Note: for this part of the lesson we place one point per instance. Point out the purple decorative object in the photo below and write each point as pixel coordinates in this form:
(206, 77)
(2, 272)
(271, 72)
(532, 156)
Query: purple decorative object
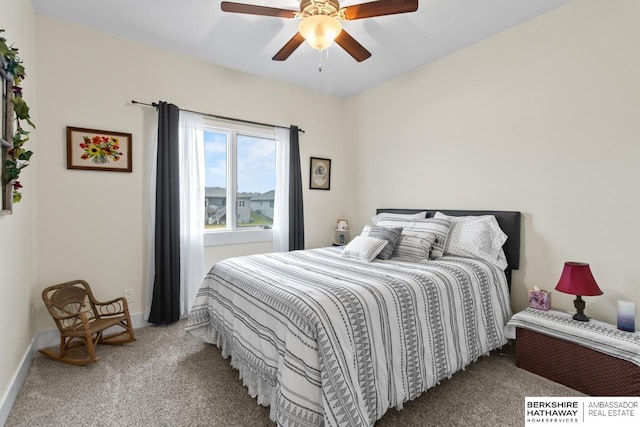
(539, 299)
(626, 316)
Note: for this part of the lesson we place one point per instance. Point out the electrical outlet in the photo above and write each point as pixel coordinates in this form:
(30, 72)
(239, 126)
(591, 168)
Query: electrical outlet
(128, 294)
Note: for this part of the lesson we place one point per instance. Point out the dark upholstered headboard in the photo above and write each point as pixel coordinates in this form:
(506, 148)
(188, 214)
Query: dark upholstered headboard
(509, 221)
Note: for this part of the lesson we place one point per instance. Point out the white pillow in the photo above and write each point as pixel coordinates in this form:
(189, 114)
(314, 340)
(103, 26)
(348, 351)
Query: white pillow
(364, 248)
(384, 215)
(433, 230)
(476, 237)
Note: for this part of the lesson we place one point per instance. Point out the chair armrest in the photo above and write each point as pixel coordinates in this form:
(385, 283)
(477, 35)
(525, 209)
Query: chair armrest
(113, 307)
(66, 317)
(72, 321)
(110, 301)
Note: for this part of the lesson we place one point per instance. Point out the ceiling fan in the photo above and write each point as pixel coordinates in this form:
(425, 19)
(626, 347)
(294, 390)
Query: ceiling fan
(320, 22)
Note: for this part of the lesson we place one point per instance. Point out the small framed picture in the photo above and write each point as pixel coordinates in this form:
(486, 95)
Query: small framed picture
(320, 174)
(92, 149)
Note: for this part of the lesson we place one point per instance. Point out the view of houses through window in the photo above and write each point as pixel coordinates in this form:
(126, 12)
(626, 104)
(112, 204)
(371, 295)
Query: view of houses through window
(243, 161)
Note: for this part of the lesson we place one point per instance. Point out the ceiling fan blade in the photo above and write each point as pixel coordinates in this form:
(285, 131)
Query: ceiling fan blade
(251, 9)
(289, 48)
(380, 8)
(352, 46)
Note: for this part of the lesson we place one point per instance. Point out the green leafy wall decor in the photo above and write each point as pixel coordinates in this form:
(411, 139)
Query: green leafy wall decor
(17, 156)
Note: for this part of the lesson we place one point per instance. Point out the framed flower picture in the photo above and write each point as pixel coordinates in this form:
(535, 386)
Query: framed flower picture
(92, 149)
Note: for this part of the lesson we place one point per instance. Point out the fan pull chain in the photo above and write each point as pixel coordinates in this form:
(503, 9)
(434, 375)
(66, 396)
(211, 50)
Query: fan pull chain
(320, 60)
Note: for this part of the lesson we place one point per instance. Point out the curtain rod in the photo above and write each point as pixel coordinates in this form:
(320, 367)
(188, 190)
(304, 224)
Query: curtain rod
(155, 105)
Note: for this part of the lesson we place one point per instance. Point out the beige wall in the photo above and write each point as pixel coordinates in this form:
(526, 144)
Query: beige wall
(542, 118)
(18, 231)
(95, 225)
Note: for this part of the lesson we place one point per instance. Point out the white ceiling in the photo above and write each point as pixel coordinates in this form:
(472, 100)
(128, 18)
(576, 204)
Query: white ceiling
(398, 43)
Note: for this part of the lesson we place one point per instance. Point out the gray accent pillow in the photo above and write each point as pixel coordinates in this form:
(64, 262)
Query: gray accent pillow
(391, 235)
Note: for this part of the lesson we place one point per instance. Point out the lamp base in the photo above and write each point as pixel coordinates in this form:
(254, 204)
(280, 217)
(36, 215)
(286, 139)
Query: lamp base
(580, 305)
(580, 317)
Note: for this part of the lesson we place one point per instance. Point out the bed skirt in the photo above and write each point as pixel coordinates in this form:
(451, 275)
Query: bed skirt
(260, 386)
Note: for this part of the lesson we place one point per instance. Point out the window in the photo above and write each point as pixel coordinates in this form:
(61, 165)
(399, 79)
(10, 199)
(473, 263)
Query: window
(240, 178)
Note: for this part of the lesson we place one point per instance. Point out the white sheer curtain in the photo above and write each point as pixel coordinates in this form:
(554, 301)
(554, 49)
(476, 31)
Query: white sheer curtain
(151, 129)
(281, 205)
(191, 208)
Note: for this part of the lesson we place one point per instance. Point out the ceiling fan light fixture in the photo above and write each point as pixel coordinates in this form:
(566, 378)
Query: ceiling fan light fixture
(320, 30)
(320, 22)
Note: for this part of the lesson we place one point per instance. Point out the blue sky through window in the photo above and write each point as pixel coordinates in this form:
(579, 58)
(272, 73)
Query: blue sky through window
(256, 162)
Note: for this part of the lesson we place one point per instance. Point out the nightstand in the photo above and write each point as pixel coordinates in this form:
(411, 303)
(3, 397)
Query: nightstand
(341, 237)
(593, 357)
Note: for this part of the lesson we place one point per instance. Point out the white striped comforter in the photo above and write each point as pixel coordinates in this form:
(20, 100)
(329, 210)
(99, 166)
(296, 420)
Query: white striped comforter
(330, 341)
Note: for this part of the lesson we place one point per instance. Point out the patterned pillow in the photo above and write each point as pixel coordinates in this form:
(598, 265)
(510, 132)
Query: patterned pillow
(434, 230)
(408, 217)
(476, 237)
(391, 235)
(413, 246)
(364, 248)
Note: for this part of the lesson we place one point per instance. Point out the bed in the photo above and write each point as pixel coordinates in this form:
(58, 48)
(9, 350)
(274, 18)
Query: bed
(328, 340)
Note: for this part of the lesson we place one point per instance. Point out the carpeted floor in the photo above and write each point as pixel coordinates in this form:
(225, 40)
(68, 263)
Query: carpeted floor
(169, 378)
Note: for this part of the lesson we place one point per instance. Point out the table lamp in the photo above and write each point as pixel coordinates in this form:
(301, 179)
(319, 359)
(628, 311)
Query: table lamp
(576, 279)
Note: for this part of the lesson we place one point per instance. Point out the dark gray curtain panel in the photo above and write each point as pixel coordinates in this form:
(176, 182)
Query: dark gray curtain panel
(296, 211)
(165, 305)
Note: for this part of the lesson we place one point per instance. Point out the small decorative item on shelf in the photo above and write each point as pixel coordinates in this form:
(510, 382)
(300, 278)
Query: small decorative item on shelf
(539, 299)
(342, 225)
(341, 232)
(626, 316)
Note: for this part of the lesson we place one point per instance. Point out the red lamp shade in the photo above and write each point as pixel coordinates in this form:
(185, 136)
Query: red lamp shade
(577, 279)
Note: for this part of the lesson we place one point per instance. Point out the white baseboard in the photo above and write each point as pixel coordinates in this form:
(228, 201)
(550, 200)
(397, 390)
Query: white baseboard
(16, 383)
(41, 340)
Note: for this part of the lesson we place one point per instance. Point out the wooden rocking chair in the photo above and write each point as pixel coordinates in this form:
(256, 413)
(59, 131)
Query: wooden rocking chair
(81, 320)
